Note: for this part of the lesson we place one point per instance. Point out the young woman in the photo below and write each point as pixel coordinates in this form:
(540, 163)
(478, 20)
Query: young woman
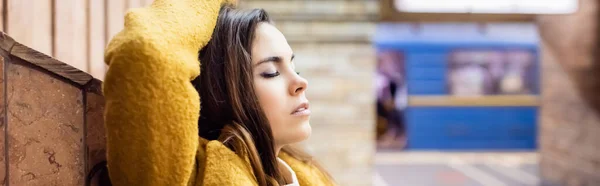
(253, 101)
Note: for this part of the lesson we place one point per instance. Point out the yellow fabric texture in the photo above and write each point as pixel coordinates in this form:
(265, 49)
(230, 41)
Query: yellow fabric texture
(152, 109)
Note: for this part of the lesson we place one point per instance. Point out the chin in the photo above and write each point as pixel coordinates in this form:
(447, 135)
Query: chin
(296, 133)
(302, 133)
(305, 131)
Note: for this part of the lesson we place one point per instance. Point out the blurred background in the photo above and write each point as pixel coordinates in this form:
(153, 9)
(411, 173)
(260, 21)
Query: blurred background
(407, 92)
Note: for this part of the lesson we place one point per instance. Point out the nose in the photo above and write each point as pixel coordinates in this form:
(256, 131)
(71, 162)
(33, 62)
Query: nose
(298, 85)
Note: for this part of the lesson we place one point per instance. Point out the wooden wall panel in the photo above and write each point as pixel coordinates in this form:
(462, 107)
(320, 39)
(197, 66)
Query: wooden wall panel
(30, 23)
(97, 38)
(148, 2)
(2, 14)
(115, 15)
(134, 3)
(70, 33)
(73, 31)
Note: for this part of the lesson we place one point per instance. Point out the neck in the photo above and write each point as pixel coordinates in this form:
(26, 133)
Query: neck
(287, 175)
(278, 149)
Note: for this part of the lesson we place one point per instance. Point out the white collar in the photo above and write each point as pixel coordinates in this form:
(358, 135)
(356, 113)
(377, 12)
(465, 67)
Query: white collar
(294, 178)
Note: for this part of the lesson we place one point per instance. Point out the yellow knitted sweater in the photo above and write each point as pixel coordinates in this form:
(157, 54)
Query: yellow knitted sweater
(152, 109)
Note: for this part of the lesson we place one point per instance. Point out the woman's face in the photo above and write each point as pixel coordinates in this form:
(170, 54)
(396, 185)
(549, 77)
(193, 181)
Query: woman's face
(280, 90)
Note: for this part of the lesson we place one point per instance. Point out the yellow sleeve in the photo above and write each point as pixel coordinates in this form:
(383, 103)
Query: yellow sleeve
(152, 108)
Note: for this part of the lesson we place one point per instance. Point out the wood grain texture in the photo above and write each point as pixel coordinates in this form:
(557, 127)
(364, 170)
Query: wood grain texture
(44, 61)
(50, 64)
(70, 33)
(30, 22)
(6, 42)
(97, 38)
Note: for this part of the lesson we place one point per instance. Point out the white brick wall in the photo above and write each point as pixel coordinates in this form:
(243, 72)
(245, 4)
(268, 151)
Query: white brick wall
(326, 31)
(321, 7)
(340, 79)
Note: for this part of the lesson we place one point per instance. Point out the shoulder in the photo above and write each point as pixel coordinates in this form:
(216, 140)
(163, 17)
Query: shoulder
(218, 165)
(307, 173)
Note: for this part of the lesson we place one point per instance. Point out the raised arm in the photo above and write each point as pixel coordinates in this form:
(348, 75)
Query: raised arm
(152, 108)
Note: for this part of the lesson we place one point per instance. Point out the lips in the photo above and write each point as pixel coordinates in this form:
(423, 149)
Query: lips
(302, 110)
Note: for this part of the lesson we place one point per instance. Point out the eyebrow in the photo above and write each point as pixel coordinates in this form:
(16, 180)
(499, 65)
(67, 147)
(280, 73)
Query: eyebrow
(275, 59)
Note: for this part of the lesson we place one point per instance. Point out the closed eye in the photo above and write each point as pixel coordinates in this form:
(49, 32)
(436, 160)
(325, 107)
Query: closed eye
(270, 75)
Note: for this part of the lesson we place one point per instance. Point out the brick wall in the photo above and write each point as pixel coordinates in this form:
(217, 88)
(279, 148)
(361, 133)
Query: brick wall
(331, 40)
(569, 128)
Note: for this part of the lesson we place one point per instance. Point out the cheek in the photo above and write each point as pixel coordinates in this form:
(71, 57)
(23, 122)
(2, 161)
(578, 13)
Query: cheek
(277, 104)
(272, 99)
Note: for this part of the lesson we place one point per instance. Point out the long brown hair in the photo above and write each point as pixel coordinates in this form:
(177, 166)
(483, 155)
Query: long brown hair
(230, 110)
